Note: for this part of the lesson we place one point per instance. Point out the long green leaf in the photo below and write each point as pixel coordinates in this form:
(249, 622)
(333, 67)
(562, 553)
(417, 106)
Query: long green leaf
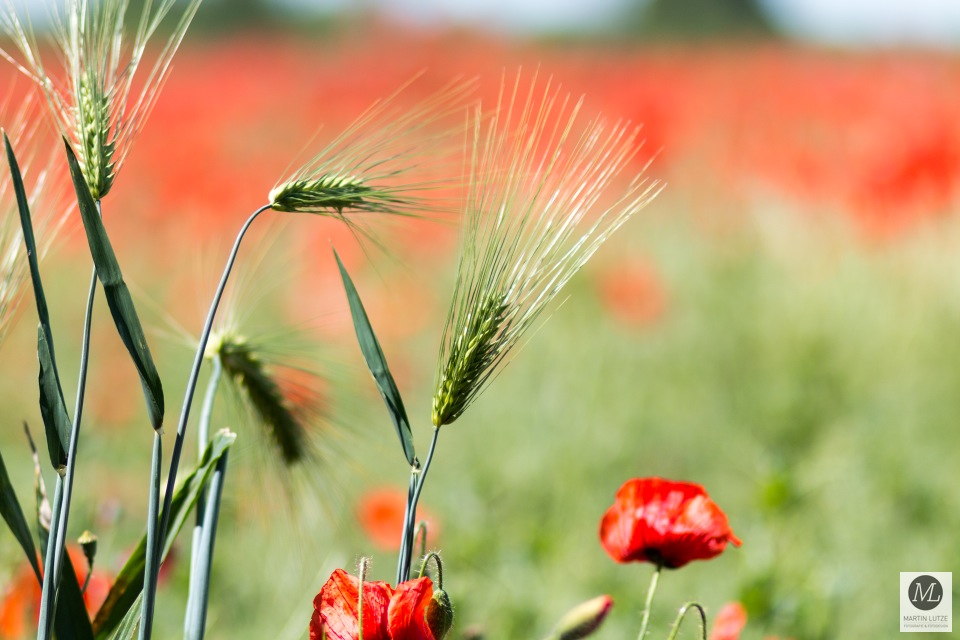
(129, 583)
(117, 294)
(56, 422)
(72, 620)
(128, 626)
(55, 418)
(377, 363)
(13, 515)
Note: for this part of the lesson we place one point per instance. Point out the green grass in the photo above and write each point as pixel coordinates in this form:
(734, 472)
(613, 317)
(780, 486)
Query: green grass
(809, 379)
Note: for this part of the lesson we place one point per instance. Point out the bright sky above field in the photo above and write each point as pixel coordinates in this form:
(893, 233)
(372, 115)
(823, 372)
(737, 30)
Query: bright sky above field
(854, 21)
(934, 22)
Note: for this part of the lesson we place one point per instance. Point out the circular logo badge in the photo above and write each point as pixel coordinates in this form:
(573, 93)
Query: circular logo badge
(925, 593)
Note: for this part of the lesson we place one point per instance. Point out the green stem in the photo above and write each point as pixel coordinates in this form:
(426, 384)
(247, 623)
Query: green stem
(362, 579)
(192, 386)
(411, 514)
(200, 572)
(56, 540)
(48, 593)
(420, 533)
(648, 604)
(406, 514)
(152, 564)
(675, 629)
(203, 432)
(74, 433)
(439, 565)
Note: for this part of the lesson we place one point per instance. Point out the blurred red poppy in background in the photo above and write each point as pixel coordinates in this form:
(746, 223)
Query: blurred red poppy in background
(20, 599)
(632, 292)
(664, 522)
(729, 622)
(380, 513)
(388, 613)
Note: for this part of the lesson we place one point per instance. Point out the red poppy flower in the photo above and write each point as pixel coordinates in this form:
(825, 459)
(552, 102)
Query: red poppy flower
(664, 522)
(388, 613)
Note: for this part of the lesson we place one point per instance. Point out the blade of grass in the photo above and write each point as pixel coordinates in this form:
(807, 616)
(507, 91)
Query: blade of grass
(118, 295)
(56, 422)
(13, 516)
(377, 363)
(127, 628)
(129, 582)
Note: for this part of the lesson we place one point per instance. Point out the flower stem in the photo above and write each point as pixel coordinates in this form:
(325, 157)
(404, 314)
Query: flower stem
(411, 514)
(192, 385)
(649, 603)
(436, 561)
(684, 610)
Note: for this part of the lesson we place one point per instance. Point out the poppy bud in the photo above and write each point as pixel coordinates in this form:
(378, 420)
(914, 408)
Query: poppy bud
(439, 614)
(583, 620)
(88, 542)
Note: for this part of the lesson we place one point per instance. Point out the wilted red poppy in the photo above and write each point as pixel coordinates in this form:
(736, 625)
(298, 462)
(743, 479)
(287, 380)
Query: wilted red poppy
(388, 613)
(730, 621)
(664, 522)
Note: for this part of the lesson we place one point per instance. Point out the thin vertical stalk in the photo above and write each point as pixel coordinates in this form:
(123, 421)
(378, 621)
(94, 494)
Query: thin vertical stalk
(153, 542)
(203, 435)
(200, 571)
(411, 514)
(75, 431)
(192, 385)
(405, 534)
(48, 593)
(645, 622)
(60, 514)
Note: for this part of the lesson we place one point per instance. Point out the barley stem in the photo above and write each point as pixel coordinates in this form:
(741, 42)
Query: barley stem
(411, 512)
(200, 579)
(203, 432)
(48, 593)
(56, 540)
(152, 564)
(192, 385)
(74, 434)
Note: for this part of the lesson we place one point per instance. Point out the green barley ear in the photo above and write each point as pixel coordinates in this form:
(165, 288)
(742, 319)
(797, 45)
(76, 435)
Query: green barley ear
(543, 195)
(104, 99)
(473, 354)
(392, 159)
(280, 418)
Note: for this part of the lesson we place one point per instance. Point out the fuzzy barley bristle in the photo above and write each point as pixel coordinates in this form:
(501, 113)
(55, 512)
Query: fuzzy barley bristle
(329, 193)
(472, 353)
(252, 376)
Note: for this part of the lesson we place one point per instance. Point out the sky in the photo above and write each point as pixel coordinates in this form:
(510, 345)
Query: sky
(853, 22)
(846, 22)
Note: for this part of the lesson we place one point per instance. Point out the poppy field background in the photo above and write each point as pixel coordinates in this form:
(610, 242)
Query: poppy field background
(781, 326)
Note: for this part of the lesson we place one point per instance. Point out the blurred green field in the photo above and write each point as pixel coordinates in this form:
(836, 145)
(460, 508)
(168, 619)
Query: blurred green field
(806, 377)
